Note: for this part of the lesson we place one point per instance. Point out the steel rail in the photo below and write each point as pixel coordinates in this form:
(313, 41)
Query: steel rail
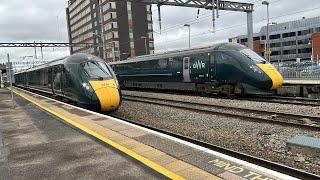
(285, 100)
(241, 113)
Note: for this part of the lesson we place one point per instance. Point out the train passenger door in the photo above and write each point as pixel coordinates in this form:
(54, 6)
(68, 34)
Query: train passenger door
(213, 67)
(186, 69)
(57, 83)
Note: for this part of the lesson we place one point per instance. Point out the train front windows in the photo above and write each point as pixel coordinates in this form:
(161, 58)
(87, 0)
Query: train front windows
(253, 56)
(96, 70)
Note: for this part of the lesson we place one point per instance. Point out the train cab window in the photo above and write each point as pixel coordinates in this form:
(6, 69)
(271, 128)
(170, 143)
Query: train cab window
(252, 55)
(96, 70)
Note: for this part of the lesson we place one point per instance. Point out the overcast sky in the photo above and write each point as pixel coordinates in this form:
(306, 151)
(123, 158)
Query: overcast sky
(45, 20)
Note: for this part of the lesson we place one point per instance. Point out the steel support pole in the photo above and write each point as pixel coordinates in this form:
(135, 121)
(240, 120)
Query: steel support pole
(189, 36)
(102, 31)
(268, 35)
(35, 50)
(145, 45)
(10, 78)
(250, 29)
(159, 16)
(113, 51)
(41, 51)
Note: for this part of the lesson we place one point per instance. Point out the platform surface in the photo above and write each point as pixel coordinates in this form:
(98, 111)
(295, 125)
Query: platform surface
(36, 145)
(305, 141)
(301, 82)
(171, 158)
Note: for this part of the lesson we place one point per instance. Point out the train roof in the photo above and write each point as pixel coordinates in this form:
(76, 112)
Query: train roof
(73, 59)
(220, 46)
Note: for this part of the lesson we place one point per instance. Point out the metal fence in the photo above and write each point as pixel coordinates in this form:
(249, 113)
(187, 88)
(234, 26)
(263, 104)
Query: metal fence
(300, 71)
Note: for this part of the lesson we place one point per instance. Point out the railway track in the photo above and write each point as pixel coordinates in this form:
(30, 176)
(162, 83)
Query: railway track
(246, 157)
(269, 99)
(287, 119)
(285, 100)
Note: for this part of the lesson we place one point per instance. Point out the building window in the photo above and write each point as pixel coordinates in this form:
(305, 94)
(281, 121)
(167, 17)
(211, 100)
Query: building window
(305, 32)
(275, 36)
(289, 43)
(306, 50)
(149, 17)
(291, 34)
(151, 44)
(110, 15)
(275, 53)
(110, 5)
(149, 26)
(150, 35)
(304, 41)
(272, 45)
(293, 51)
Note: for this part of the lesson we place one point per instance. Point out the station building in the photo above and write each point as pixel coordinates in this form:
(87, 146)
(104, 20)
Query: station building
(126, 29)
(289, 41)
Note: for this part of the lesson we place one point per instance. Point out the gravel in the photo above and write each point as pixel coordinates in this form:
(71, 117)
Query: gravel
(276, 107)
(263, 140)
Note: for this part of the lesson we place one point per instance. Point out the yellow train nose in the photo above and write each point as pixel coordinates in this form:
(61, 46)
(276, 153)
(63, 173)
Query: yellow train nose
(107, 93)
(274, 75)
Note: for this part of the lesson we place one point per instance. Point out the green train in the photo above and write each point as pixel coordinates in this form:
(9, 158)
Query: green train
(225, 68)
(81, 78)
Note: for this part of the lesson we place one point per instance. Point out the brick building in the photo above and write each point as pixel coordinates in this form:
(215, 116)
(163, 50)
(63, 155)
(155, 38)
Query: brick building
(289, 40)
(126, 29)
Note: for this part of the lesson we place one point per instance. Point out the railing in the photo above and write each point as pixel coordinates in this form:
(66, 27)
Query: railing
(301, 71)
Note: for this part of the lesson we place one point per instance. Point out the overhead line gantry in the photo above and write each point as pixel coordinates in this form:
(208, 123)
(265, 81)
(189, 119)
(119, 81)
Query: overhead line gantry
(214, 5)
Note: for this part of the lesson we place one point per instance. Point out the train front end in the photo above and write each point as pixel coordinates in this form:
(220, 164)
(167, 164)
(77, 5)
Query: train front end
(101, 85)
(265, 73)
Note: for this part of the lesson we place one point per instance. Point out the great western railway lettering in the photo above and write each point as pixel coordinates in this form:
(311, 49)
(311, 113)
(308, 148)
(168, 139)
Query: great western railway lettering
(199, 65)
(237, 170)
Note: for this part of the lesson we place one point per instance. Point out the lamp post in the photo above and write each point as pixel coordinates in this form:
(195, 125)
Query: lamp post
(267, 47)
(145, 43)
(188, 25)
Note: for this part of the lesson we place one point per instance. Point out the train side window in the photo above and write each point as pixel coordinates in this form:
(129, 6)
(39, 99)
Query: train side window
(186, 62)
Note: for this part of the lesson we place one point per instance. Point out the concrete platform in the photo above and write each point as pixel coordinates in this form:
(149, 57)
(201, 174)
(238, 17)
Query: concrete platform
(309, 146)
(300, 87)
(301, 82)
(37, 145)
(172, 158)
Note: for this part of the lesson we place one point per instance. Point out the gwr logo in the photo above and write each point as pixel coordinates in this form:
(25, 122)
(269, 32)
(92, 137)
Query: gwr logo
(199, 65)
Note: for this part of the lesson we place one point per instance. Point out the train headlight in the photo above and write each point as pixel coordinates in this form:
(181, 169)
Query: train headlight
(255, 69)
(85, 85)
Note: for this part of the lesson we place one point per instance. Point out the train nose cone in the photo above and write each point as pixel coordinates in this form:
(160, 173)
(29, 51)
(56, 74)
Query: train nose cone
(109, 98)
(273, 74)
(107, 93)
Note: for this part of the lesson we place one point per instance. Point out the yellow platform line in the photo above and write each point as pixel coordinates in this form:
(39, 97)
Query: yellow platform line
(121, 148)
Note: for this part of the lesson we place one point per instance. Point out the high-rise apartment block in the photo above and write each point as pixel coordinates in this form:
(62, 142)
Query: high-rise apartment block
(117, 29)
(289, 41)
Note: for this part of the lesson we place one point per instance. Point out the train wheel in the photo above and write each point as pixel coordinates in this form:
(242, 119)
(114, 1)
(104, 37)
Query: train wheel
(204, 89)
(227, 90)
(239, 90)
